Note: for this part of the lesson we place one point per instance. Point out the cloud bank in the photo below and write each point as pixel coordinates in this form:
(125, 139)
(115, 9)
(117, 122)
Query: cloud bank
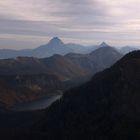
(28, 23)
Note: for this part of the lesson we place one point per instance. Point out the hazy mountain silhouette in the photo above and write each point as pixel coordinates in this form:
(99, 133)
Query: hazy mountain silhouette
(54, 46)
(68, 66)
(127, 49)
(104, 44)
(27, 78)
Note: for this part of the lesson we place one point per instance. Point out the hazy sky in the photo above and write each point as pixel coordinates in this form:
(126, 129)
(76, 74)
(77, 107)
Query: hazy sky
(29, 23)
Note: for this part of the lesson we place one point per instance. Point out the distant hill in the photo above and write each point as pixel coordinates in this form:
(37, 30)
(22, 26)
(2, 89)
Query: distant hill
(105, 108)
(65, 67)
(54, 46)
(27, 78)
(127, 49)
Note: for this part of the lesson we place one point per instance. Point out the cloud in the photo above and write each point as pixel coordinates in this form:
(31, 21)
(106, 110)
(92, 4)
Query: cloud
(89, 21)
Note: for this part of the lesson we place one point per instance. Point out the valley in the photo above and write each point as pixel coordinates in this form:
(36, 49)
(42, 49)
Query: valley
(27, 79)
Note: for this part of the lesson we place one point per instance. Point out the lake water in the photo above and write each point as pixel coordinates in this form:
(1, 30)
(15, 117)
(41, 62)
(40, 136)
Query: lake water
(38, 104)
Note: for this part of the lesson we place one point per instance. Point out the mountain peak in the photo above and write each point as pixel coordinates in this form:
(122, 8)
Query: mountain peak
(56, 41)
(104, 44)
(56, 38)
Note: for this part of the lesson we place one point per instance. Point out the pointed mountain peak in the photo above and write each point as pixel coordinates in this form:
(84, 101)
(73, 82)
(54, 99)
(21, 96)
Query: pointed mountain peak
(56, 41)
(104, 44)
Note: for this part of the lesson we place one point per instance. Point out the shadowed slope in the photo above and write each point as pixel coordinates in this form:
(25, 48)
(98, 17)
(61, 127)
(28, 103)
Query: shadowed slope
(106, 108)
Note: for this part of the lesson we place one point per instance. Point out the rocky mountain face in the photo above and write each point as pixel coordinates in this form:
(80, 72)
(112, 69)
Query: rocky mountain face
(16, 89)
(26, 78)
(105, 108)
(65, 67)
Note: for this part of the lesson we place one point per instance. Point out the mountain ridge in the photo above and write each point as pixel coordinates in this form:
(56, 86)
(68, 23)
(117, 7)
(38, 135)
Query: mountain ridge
(57, 72)
(105, 108)
(70, 62)
(54, 46)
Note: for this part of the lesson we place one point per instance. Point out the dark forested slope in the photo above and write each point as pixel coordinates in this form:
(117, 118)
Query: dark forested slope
(106, 108)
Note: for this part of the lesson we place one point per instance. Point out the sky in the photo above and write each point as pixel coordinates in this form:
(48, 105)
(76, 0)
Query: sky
(30, 23)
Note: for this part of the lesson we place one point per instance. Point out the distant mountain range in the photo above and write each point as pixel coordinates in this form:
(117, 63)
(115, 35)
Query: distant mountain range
(27, 78)
(127, 49)
(65, 67)
(54, 46)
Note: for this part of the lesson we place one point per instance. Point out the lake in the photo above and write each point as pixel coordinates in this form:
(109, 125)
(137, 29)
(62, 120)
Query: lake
(37, 104)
